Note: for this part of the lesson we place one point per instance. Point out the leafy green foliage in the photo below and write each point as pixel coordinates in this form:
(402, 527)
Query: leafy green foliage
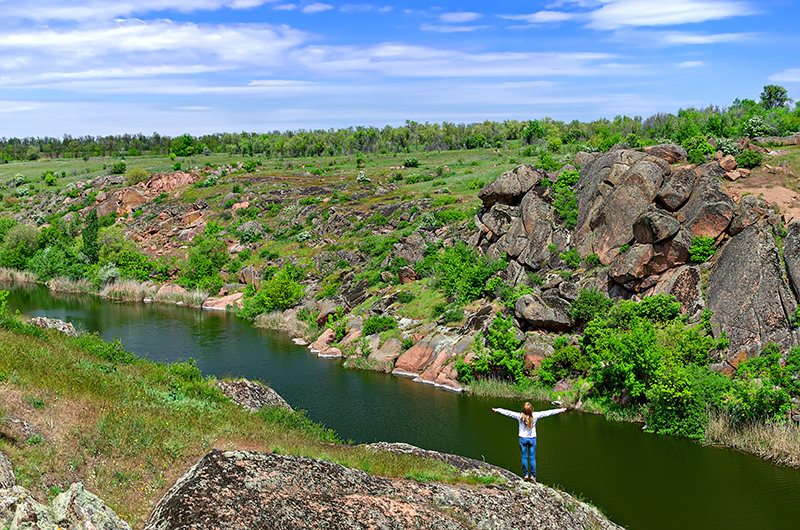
(136, 175)
(502, 356)
(564, 201)
(701, 249)
(571, 257)
(411, 162)
(91, 246)
(749, 159)
(206, 257)
(462, 273)
(566, 361)
(697, 149)
(376, 324)
(19, 245)
(118, 168)
(278, 293)
(589, 305)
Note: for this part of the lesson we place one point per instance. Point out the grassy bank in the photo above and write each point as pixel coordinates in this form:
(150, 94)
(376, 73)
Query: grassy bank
(128, 428)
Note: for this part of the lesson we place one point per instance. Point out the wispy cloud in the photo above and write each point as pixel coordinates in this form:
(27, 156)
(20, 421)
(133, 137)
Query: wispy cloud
(450, 28)
(677, 38)
(791, 75)
(316, 7)
(364, 8)
(78, 10)
(459, 17)
(691, 64)
(614, 14)
(543, 17)
(404, 60)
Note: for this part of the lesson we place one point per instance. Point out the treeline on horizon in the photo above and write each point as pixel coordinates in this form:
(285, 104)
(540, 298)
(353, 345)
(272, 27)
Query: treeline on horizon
(771, 116)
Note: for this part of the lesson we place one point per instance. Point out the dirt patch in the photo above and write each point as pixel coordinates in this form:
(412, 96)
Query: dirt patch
(778, 188)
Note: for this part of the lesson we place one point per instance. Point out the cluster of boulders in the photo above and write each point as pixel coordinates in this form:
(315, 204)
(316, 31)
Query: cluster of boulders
(74, 509)
(639, 214)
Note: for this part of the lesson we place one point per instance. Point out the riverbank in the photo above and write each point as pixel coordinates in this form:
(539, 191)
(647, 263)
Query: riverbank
(127, 428)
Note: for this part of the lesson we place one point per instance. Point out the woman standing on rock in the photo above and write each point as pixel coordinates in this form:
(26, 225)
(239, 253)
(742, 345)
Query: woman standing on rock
(527, 434)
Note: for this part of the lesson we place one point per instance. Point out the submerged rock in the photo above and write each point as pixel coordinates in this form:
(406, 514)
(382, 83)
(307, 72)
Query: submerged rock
(245, 490)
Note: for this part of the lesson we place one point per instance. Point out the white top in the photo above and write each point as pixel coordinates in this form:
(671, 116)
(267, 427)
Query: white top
(524, 432)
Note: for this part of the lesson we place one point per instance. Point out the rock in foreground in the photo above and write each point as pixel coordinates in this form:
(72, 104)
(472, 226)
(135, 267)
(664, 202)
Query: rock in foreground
(240, 489)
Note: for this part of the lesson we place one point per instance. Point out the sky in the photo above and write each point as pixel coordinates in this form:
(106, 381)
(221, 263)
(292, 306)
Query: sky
(97, 67)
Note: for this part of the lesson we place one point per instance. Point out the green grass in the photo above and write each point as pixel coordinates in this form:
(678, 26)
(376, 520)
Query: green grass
(128, 427)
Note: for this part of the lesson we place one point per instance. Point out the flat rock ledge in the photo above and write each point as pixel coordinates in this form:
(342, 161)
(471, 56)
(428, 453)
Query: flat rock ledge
(252, 395)
(244, 490)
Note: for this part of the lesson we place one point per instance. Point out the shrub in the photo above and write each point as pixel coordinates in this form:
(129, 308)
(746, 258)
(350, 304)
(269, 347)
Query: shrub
(250, 165)
(18, 246)
(564, 201)
(593, 260)
(571, 257)
(278, 293)
(755, 126)
(701, 249)
(566, 361)
(376, 324)
(411, 162)
(205, 259)
(461, 272)
(136, 175)
(697, 148)
(590, 304)
(405, 297)
(118, 168)
(749, 159)
(502, 356)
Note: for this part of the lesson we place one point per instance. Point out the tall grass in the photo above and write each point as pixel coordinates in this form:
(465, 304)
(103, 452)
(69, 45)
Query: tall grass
(16, 276)
(293, 327)
(779, 442)
(128, 291)
(65, 285)
(191, 298)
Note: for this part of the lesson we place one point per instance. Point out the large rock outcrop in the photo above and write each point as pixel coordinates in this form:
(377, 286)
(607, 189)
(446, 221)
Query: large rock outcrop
(747, 294)
(244, 490)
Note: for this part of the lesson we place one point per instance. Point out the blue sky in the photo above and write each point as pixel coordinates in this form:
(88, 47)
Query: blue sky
(197, 66)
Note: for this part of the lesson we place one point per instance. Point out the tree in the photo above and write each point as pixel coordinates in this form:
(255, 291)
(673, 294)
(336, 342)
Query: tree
(91, 246)
(774, 97)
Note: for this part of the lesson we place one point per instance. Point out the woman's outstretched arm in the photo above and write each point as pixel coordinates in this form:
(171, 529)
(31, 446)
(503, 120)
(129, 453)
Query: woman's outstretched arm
(509, 413)
(550, 412)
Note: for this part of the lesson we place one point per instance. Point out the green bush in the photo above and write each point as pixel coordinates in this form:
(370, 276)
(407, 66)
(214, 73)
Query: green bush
(376, 324)
(411, 162)
(136, 175)
(564, 201)
(278, 293)
(405, 297)
(593, 260)
(462, 273)
(251, 165)
(697, 149)
(206, 257)
(19, 245)
(566, 361)
(701, 249)
(502, 356)
(118, 168)
(590, 304)
(571, 257)
(749, 159)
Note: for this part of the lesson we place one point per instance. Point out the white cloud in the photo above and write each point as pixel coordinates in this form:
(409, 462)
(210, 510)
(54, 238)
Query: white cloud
(286, 7)
(615, 14)
(194, 108)
(78, 10)
(440, 28)
(7, 107)
(364, 8)
(405, 60)
(132, 44)
(316, 7)
(691, 64)
(543, 17)
(677, 38)
(791, 75)
(459, 17)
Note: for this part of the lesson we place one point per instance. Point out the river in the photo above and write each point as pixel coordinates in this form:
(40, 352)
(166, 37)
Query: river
(639, 480)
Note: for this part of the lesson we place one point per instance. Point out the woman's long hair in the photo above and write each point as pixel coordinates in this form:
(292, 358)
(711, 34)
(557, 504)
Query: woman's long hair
(527, 414)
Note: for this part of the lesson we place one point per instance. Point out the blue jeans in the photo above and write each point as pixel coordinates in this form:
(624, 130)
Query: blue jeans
(528, 448)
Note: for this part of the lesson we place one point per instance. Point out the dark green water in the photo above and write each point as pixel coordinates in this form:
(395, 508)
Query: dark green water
(639, 480)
